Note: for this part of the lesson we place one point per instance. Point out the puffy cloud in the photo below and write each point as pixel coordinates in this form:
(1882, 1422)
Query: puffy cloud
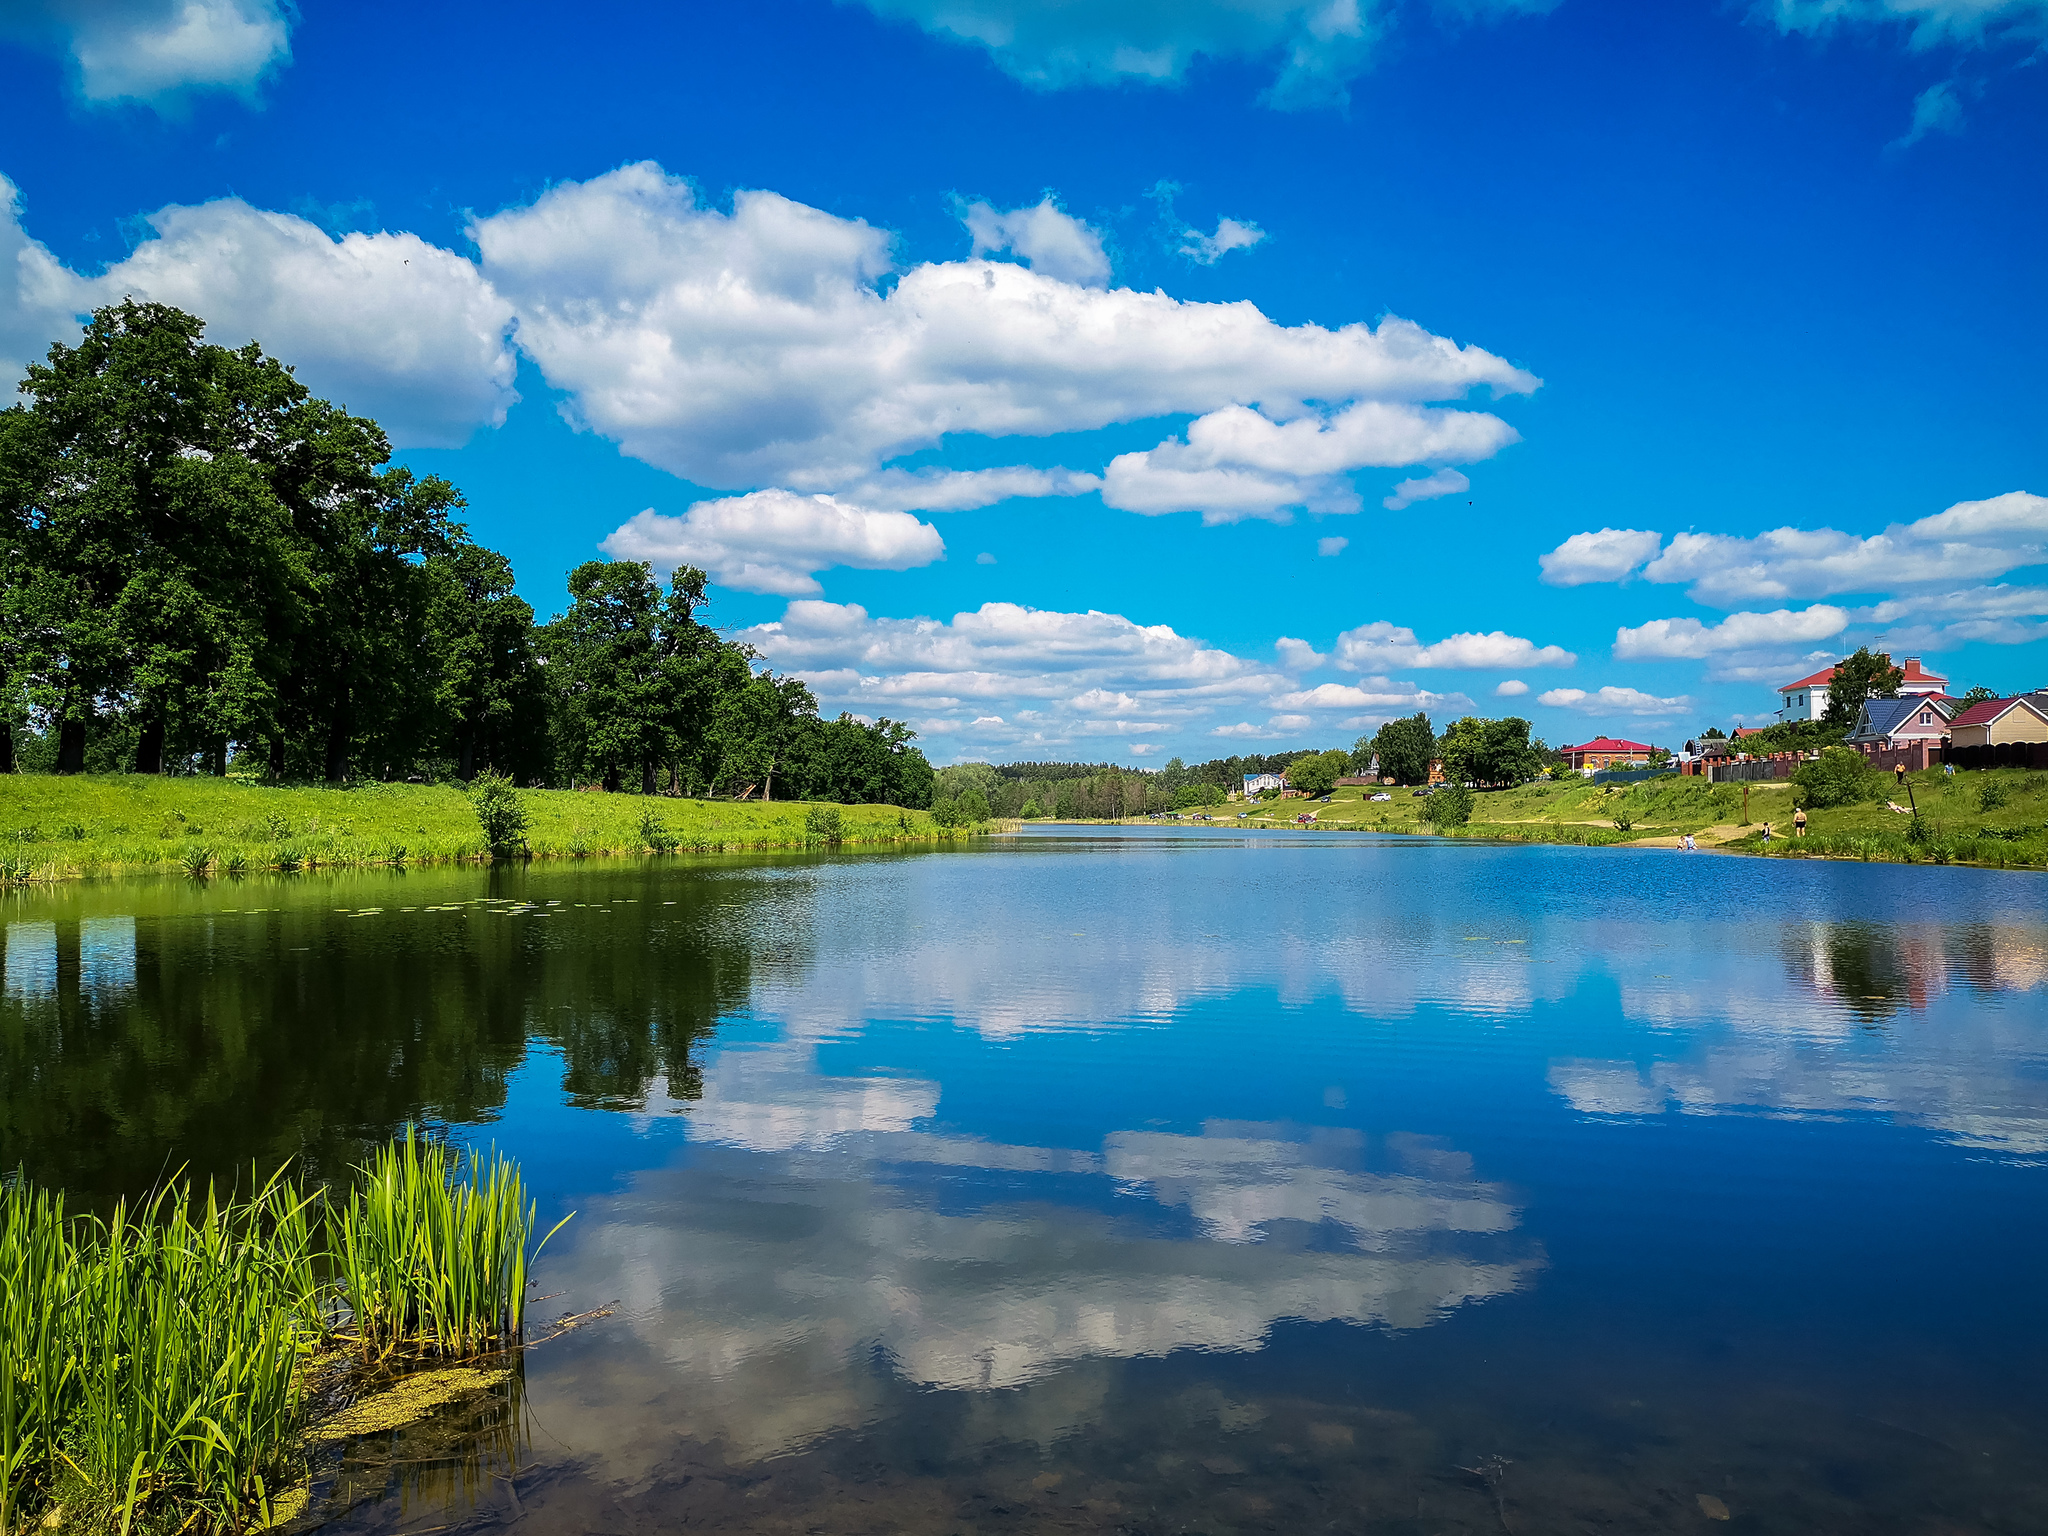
(1612, 701)
(1371, 693)
(771, 541)
(1445, 482)
(1609, 555)
(156, 50)
(759, 346)
(1238, 462)
(1331, 546)
(958, 490)
(1053, 44)
(388, 325)
(984, 558)
(1689, 638)
(1019, 678)
(1510, 688)
(1381, 644)
(1051, 240)
(1231, 235)
(1970, 541)
(1960, 23)
(39, 297)
(1298, 655)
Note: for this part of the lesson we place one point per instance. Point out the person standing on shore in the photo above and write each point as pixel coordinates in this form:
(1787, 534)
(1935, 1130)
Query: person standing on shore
(1767, 834)
(1799, 821)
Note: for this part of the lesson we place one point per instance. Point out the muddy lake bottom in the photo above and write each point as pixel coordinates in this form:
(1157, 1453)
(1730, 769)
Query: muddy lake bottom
(1121, 1180)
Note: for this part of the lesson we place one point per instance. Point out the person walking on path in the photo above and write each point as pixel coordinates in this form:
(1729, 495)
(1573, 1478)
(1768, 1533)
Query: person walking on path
(1799, 821)
(1899, 775)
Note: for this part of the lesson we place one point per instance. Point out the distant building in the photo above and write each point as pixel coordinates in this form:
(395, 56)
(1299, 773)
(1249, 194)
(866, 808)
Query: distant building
(1807, 699)
(1255, 782)
(1896, 722)
(1998, 721)
(1607, 752)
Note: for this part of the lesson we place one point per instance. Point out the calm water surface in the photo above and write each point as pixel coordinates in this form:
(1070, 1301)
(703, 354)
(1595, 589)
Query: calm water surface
(1147, 1182)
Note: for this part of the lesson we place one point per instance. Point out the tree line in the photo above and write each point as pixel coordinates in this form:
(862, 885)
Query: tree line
(203, 566)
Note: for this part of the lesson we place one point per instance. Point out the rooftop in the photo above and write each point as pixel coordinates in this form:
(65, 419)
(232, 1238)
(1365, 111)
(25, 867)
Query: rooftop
(1608, 744)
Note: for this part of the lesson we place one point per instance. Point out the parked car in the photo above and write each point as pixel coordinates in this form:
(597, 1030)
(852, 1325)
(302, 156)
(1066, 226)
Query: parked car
(1425, 790)
(1381, 796)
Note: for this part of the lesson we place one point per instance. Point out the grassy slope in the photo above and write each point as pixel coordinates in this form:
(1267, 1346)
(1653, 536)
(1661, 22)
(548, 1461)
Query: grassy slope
(64, 827)
(1574, 810)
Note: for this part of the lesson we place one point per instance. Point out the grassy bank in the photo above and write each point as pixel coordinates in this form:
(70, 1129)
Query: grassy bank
(168, 1368)
(65, 828)
(1993, 817)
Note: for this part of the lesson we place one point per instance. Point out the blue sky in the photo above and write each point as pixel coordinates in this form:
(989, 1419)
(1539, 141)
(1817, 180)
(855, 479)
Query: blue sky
(1040, 372)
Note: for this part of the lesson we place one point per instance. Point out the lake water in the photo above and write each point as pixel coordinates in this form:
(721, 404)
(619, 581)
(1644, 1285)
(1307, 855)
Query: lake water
(1146, 1182)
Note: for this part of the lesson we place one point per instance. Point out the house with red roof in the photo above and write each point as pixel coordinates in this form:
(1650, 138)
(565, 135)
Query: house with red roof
(1996, 722)
(1807, 699)
(1607, 752)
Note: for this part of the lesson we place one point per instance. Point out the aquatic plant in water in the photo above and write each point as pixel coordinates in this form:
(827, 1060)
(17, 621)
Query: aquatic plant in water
(153, 1364)
(432, 1252)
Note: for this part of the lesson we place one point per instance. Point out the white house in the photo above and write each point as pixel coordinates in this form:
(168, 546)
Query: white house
(1807, 699)
(1254, 782)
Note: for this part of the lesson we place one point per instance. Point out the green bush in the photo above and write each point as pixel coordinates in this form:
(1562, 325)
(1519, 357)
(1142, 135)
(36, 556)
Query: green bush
(654, 833)
(963, 811)
(1450, 806)
(1839, 776)
(499, 811)
(1992, 794)
(823, 821)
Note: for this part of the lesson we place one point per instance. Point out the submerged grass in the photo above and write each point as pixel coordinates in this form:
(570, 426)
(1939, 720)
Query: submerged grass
(154, 1364)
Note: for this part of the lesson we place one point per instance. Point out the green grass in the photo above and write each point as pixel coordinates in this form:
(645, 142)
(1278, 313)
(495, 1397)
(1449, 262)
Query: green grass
(2011, 833)
(55, 828)
(155, 1365)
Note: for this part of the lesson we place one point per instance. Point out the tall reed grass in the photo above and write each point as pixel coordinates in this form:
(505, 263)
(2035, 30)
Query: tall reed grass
(432, 1253)
(153, 1363)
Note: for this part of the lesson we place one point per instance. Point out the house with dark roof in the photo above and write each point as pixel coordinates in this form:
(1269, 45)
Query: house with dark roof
(1807, 699)
(1886, 723)
(1997, 722)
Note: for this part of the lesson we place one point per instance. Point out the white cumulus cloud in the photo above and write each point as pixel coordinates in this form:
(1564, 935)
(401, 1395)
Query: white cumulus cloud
(1510, 688)
(1332, 546)
(1298, 655)
(759, 346)
(1445, 482)
(1238, 463)
(1046, 236)
(156, 50)
(1021, 679)
(388, 325)
(1612, 701)
(1608, 555)
(1972, 540)
(1690, 639)
(771, 541)
(1381, 645)
(1231, 235)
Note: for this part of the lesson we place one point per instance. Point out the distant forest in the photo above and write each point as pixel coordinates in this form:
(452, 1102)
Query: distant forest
(204, 567)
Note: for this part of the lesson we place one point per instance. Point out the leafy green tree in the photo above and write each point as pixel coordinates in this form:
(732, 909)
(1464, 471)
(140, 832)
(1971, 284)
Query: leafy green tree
(1839, 776)
(486, 697)
(1865, 675)
(1490, 751)
(1317, 773)
(1978, 695)
(614, 686)
(1406, 748)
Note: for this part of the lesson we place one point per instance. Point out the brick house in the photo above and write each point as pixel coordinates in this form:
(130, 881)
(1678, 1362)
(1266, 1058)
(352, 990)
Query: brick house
(1607, 752)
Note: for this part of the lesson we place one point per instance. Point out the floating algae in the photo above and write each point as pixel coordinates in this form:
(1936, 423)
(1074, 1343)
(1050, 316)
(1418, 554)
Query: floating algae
(407, 1401)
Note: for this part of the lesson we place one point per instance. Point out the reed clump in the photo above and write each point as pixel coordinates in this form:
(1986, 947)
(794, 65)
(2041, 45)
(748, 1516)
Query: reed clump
(156, 1363)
